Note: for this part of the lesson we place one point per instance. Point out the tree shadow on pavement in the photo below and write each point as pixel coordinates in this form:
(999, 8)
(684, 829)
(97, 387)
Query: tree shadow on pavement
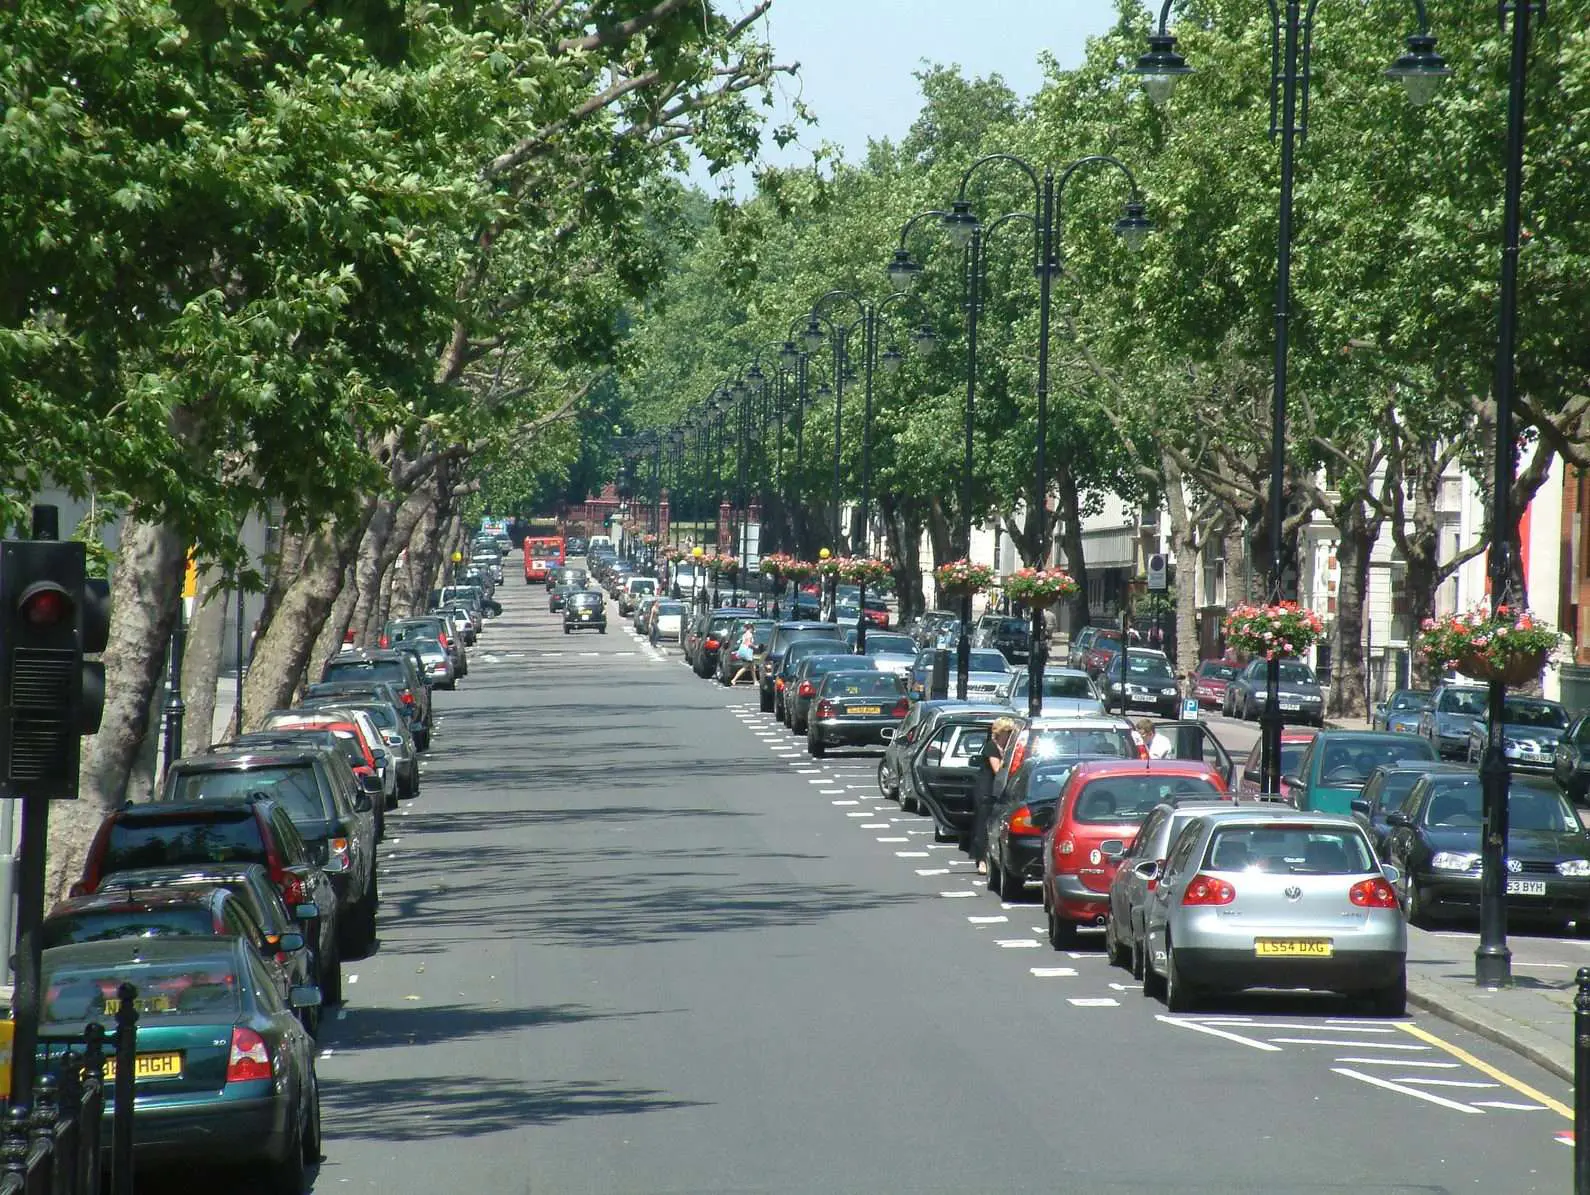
(374, 1028)
(420, 1108)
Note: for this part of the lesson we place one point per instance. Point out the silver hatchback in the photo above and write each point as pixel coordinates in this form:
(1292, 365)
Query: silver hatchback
(1274, 898)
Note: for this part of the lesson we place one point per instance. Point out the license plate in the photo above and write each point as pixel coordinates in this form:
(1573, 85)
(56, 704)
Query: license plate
(1290, 707)
(1526, 887)
(866, 709)
(1293, 948)
(149, 1066)
(142, 1004)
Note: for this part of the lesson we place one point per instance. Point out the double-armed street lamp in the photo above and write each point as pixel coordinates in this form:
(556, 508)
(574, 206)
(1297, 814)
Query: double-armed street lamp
(1046, 216)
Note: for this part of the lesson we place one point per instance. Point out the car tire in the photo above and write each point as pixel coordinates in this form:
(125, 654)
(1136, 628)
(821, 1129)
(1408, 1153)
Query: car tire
(1153, 981)
(1062, 932)
(287, 1175)
(1418, 906)
(1179, 994)
(883, 784)
(1118, 955)
(1135, 955)
(1011, 888)
(1391, 1000)
(764, 700)
(813, 747)
(423, 741)
(312, 1135)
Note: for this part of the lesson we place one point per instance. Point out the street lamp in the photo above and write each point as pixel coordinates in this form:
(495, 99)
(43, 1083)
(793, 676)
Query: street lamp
(962, 224)
(1420, 70)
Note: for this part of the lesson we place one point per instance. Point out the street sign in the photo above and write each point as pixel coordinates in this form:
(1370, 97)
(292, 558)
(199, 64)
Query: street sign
(1158, 580)
(1189, 709)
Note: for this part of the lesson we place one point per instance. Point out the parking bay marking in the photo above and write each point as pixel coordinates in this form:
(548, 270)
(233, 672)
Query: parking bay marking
(1213, 1031)
(1053, 972)
(1094, 1001)
(1387, 1084)
(1488, 1070)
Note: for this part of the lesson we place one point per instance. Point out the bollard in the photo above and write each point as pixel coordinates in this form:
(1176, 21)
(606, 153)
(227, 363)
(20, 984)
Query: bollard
(1581, 1077)
(939, 684)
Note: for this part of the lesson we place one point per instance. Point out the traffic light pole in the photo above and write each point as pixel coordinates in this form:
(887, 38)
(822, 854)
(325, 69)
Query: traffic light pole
(30, 916)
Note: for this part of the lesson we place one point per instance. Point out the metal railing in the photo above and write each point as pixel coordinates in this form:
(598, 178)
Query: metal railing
(55, 1145)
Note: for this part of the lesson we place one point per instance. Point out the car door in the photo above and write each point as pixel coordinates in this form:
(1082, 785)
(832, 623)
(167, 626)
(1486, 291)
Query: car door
(1173, 877)
(1369, 816)
(945, 767)
(1129, 890)
(1197, 742)
(1402, 838)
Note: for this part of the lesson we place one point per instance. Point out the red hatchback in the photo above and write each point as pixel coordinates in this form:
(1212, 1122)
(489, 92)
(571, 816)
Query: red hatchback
(1095, 820)
(1294, 741)
(1210, 680)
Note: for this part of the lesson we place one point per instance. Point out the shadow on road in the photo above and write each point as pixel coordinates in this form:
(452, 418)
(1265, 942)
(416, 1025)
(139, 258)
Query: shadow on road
(427, 1024)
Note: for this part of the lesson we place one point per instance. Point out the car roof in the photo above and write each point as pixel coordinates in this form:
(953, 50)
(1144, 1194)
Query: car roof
(119, 895)
(1273, 812)
(144, 950)
(1093, 768)
(1086, 722)
(244, 758)
(230, 872)
(1421, 766)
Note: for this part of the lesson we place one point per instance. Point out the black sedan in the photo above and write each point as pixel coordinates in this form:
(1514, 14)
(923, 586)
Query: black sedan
(585, 611)
(1570, 762)
(1435, 840)
(1298, 694)
(853, 709)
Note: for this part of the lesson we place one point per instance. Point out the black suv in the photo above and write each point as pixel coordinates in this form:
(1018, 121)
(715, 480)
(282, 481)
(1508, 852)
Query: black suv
(333, 817)
(399, 668)
(1010, 636)
(235, 832)
(772, 660)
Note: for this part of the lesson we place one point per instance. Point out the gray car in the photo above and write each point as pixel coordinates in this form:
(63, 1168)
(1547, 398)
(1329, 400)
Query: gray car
(1132, 886)
(1400, 712)
(1065, 691)
(1274, 898)
(1453, 709)
(1298, 693)
(1531, 729)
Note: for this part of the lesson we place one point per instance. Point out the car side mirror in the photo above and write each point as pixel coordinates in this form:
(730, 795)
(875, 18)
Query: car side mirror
(363, 803)
(1148, 869)
(303, 995)
(290, 941)
(1392, 873)
(1112, 849)
(307, 911)
(1362, 807)
(1292, 781)
(1043, 817)
(1397, 817)
(369, 784)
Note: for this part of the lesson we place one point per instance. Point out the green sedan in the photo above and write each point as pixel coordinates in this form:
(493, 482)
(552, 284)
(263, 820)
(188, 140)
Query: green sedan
(1334, 767)
(225, 1071)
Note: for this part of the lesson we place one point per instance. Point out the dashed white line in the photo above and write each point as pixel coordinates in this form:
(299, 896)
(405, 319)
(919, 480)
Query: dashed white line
(1094, 1001)
(883, 838)
(934, 871)
(1017, 943)
(910, 854)
(875, 826)
(988, 920)
(1053, 972)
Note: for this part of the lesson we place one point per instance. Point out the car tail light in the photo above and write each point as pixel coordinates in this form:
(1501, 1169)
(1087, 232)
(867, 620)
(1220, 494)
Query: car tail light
(1208, 890)
(711, 644)
(339, 850)
(293, 890)
(1373, 894)
(249, 1060)
(1021, 823)
(385, 641)
(825, 708)
(778, 684)
(1018, 753)
(901, 708)
(806, 689)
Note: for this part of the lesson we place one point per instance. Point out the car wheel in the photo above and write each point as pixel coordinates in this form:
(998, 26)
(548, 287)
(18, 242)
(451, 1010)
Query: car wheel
(1179, 995)
(1391, 1000)
(1062, 932)
(423, 741)
(993, 877)
(1011, 887)
(287, 1175)
(883, 782)
(1153, 982)
(1136, 957)
(813, 747)
(1418, 906)
(764, 700)
(1113, 950)
(312, 1135)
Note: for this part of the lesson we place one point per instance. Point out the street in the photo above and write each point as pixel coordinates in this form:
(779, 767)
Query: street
(634, 940)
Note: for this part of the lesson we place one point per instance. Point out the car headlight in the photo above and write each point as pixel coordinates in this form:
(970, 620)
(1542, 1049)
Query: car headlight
(1574, 867)
(1167, 692)
(1455, 861)
(1311, 698)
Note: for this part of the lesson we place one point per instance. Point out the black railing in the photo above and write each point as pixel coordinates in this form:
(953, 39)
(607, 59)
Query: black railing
(55, 1145)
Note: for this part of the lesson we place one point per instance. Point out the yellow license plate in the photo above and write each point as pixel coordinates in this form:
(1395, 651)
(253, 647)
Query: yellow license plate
(150, 1066)
(1293, 948)
(142, 1004)
(866, 709)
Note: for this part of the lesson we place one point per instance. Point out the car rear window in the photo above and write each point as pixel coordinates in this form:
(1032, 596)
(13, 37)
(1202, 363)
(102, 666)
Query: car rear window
(1217, 671)
(1050, 742)
(366, 670)
(294, 787)
(1060, 685)
(99, 925)
(1012, 626)
(164, 843)
(1346, 762)
(191, 989)
(985, 661)
(862, 684)
(892, 645)
(1111, 799)
(1281, 849)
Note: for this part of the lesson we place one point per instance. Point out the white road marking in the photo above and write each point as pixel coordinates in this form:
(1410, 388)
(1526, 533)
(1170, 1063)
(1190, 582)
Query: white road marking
(833, 792)
(882, 838)
(956, 893)
(353, 979)
(1293, 1025)
(1503, 1104)
(1053, 972)
(875, 826)
(933, 871)
(910, 854)
(989, 920)
(1375, 1081)
(1183, 1023)
(1120, 987)
(1094, 1001)
(1018, 943)
(1447, 1083)
(1355, 1045)
(1404, 1063)
(859, 813)
(844, 802)
(942, 846)
(808, 771)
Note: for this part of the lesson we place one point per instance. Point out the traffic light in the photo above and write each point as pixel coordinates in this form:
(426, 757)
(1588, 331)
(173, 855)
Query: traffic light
(50, 615)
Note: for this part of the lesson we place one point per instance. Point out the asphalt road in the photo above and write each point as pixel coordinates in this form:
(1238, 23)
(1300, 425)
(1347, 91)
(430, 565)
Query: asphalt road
(634, 941)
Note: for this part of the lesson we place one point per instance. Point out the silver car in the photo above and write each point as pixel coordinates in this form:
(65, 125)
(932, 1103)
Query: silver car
(667, 621)
(1274, 898)
(1065, 691)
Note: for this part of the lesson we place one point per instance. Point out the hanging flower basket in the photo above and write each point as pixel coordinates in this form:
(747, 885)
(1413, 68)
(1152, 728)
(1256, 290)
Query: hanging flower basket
(798, 570)
(772, 565)
(958, 578)
(864, 570)
(649, 539)
(830, 566)
(1271, 631)
(1040, 588)
(723, 566)
(1510, 645)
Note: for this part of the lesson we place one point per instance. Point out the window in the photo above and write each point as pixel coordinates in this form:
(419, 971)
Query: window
(1182, 848)
(167, 991)
(292, 843)
(102, 925)
(164, 843)
(1152, 825)
(1462, 701)
(1283, 849)
(293, 785)
(1111, 799)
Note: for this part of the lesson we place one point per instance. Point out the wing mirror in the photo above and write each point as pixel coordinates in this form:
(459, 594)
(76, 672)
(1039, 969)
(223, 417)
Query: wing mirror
(1397, 817)
(1113, 849)
(306, 911)
(369, 783)
(1043, 817)
(1361, 807)
(303, 995)
(1393, 874)
(887, 733)
(290, 941)
(1148, 869)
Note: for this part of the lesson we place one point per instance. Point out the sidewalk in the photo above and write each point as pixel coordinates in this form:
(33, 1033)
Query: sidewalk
(1533, 1018)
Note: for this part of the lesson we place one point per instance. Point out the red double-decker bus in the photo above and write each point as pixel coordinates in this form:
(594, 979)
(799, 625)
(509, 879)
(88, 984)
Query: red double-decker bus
(541, 552)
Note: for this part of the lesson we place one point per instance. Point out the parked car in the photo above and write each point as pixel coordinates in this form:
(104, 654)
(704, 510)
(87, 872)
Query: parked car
(1298, 693)
(1150, 683)
(1334, 767)
(915, 730)
(558, 597)
(332, 819)
(1011, 637)
(397, 668)
(785, 633)
(761, 632)
(585, 611)
(1065, 691)
(390, 725)
(1434, 839)
(1453, 709)
(634, 588)
(356, 735)
(641, 620)
(1274, 898)
(1531, 729)
(806, 674)
(362, 691)
(226, 1070)
(436, 664)
(705, 636)
(1210, 681)
(930, 626)
(987, 671)
(785, 684)
(1294, 741)
(855, 709)
(897, 650)
(1097, 816)
(1134, 884)
(1387, 788)
(938, 765)
(1400, 711)
(1014, 855)
(1064, 738)
(1570, 762)
(1077, 653)
(168, 834)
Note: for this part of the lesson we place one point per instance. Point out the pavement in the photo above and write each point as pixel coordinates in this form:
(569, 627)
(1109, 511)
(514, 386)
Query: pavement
(635, 941)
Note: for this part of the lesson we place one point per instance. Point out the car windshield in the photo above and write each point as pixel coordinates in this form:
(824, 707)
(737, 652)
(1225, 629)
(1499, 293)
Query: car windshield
(292, 786)
(861, 684)
(983, 661)
(1407, 700)
(1457, 806)
(1051, 742)
(1141, 667)
(890, 645)
(1217, 671)
(642, 585)
(1349, 761)
(1132, 798)
(1011, 626)
(167, 991)
(1058, 684)
(586, 600)
(1462, 701)
(1281, 849)
(164, 843)
(1293, 673)
(1548, 715)
(100, 925)
(366, 670)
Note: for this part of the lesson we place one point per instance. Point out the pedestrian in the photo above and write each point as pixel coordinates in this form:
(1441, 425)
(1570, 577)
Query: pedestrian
(745, 653)
(989, 762)
(1159, 747)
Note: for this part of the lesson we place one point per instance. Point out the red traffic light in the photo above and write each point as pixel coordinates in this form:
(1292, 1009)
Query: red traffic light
(44, 605)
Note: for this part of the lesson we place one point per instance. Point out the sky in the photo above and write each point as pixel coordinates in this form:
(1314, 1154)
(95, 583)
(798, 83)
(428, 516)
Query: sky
(858, 58)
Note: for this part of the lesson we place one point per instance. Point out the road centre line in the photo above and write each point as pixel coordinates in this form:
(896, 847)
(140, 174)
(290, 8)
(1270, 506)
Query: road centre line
(1376, 1081)
(1212, 1031)
(1488, 1070)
